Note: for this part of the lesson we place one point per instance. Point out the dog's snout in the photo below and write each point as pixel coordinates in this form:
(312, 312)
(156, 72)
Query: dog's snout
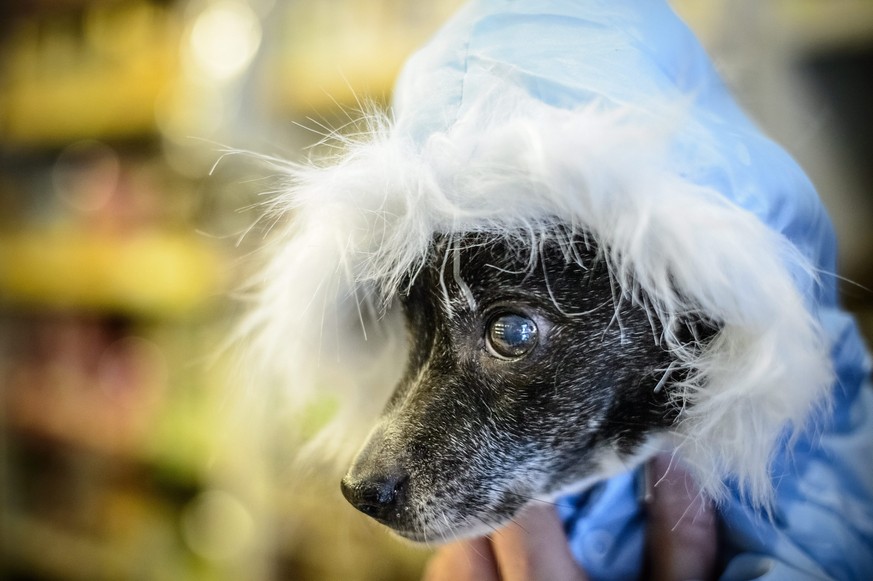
(381, 496)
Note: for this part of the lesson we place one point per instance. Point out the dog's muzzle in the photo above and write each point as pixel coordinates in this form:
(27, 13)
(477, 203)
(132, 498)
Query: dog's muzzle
(377, 484)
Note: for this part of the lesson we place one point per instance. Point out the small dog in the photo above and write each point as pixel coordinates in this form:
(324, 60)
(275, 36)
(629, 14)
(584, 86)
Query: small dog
(524, 380)
(541, 271)
(568, 335)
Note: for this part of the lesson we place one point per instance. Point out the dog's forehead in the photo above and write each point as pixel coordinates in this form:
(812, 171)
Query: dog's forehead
(473, 264)
(467, 274)
(482, 257)
(499, 259)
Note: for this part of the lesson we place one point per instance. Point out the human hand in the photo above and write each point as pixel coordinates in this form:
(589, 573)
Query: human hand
(532, 548)
(681, 526)
(681, 541)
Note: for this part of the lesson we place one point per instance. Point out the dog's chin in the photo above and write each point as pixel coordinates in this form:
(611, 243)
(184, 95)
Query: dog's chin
(443, 529)
(434, 537)
(448, 533)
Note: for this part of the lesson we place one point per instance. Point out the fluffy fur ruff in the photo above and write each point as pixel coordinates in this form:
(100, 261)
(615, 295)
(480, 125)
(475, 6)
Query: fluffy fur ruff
(361, 223)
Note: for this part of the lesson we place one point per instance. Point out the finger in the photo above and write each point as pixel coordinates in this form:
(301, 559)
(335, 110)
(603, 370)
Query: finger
(534, 548)
(681, 527)
(463, 561)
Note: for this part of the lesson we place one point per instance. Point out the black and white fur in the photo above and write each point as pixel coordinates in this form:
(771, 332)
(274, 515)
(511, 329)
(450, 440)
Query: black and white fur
(670, 318)
(470, 436)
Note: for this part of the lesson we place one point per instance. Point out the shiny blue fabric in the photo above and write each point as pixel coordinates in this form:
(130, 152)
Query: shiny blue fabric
(637, 53)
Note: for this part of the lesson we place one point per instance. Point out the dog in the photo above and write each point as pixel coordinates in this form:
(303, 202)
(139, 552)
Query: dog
(527, 377)
(563, 251)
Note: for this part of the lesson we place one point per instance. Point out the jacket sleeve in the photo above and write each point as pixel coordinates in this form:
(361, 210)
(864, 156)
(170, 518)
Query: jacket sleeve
(821, 524)
(605, 527)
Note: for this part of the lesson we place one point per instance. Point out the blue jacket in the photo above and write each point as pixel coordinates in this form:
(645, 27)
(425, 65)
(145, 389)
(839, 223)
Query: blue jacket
(567, 53)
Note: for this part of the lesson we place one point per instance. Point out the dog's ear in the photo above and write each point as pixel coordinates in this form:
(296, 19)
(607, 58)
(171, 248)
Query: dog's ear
(696, 330)
(694, 333)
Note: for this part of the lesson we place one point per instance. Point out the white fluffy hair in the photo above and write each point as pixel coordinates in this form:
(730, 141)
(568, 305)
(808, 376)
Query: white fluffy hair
(361, 223)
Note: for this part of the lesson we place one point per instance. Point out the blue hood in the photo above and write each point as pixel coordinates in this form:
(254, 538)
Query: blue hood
(637, 55)
(625, 53)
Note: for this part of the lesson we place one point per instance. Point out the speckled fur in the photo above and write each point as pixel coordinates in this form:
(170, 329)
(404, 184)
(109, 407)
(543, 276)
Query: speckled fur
(480, 436)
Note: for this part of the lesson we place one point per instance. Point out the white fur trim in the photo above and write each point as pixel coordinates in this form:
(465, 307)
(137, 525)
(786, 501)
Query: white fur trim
(364, 220)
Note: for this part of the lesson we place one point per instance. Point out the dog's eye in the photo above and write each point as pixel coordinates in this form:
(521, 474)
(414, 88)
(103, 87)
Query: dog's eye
(510, 336)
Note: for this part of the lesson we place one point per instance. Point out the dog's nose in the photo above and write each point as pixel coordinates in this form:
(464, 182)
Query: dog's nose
(381, 496)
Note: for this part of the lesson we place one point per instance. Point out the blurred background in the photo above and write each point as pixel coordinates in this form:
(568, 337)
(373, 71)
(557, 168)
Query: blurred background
(125, 229)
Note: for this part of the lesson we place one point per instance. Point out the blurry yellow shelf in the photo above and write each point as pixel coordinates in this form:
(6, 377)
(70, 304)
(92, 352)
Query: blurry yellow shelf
(148, 273)
(103, 78)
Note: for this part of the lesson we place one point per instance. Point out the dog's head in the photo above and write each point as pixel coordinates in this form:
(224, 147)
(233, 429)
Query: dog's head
(526, 376)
